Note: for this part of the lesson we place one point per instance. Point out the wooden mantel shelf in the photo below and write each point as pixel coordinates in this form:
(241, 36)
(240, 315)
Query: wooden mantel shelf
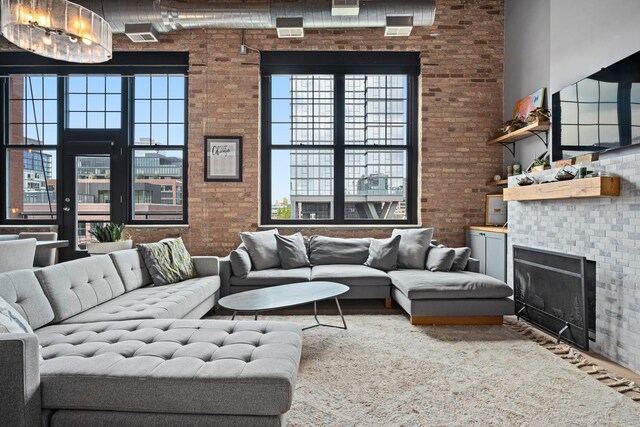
(602, 186)
(521, 133)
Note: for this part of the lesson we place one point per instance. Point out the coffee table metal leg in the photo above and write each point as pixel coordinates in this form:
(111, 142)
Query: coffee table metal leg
(234, 315)
(256, 316)
(315, 316)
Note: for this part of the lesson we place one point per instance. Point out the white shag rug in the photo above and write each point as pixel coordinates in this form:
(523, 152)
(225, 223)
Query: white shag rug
(383, 371)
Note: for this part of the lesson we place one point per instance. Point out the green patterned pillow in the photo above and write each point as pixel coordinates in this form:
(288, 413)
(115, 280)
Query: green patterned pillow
(168, 261)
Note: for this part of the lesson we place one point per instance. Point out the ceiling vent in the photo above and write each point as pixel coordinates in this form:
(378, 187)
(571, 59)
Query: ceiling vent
(141, 33)
(398, 26)
(289, 28)
(345, 7)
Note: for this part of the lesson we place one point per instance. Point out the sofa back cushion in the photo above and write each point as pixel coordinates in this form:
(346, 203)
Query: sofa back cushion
(414, 246)
(262, 248)
(240, 261)
(332, 250)
(131, 268)
(76, 286)
(23, 292)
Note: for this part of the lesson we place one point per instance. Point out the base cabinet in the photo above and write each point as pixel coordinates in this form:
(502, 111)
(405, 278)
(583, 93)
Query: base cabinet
(490, 248)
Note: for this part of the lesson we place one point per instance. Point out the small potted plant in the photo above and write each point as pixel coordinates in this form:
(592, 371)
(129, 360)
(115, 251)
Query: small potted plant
(109, 239)
(540, 114)
(511, 125)
(539, 165)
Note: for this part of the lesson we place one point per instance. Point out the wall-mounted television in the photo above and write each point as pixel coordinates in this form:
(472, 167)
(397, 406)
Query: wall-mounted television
(598, 113)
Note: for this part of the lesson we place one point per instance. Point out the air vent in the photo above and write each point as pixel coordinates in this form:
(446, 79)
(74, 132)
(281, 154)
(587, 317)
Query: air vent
(141, 33)
(398, 26)
(345, 7)
(289, 27)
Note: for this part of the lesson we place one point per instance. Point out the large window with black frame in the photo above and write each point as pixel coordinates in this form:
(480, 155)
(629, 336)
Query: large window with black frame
(340, 148)
(40, 109)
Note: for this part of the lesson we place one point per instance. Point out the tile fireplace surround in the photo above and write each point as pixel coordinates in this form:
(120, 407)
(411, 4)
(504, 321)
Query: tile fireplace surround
(605, 230)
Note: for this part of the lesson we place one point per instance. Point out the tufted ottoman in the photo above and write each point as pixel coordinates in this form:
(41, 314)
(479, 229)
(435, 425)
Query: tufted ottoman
(215, 372)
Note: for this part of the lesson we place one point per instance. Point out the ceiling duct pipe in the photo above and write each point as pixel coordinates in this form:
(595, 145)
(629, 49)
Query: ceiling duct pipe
(172, 15)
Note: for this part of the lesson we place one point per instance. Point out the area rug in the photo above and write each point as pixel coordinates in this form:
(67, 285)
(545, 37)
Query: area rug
(383, 371)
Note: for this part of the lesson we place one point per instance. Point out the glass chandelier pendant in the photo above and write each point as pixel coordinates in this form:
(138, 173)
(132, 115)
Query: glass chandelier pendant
(56, 29)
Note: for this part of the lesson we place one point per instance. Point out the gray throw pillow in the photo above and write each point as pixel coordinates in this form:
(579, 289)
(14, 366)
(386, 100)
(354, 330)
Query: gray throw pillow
(292, 251)
(262, 248)
(414, 245)
(383, 253)
(461, 258)
(440, 259)
(240, 262)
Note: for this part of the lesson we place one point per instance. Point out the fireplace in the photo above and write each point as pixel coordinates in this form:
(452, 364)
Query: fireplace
(556, 292)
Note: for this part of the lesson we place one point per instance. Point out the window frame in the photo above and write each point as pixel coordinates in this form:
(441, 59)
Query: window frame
(340, 64)
(124, 64)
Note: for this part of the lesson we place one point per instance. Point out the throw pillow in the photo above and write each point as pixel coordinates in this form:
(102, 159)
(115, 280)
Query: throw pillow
(440, 259)
(262, 248)
(240, 262)
(414, 245)
(11, 321)
(461, 258)
(292, 251)
(383, 253)
(168, 261)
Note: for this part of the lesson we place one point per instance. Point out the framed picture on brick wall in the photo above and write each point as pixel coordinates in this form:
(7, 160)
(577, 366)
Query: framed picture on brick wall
(223, 158)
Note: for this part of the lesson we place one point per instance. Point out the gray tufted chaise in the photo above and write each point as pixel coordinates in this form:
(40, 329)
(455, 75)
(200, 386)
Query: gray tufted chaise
(115, 351)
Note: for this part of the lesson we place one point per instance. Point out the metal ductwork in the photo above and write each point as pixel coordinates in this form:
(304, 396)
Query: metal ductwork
(171, 15)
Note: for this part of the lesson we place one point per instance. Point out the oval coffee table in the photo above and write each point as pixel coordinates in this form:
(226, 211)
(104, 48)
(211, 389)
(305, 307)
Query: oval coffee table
(281, 296)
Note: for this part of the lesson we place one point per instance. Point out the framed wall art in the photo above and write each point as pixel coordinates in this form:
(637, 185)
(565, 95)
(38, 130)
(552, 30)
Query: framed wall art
(223, 158)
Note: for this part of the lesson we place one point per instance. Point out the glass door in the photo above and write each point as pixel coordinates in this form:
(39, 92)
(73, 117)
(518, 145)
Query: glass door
(89, 199)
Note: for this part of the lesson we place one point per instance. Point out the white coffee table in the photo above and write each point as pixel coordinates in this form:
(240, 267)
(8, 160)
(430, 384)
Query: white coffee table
(282, 296)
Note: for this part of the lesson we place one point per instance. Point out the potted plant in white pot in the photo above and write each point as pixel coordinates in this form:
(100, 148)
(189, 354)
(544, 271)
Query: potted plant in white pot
(109, 239)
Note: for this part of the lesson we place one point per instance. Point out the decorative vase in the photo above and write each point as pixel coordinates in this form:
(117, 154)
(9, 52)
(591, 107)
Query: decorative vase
(101, 248)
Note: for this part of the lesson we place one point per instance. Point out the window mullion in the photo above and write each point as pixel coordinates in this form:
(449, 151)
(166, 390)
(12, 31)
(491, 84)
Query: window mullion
(339, 150)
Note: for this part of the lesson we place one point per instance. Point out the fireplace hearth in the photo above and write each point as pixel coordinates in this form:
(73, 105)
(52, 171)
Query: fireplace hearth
(556, 292)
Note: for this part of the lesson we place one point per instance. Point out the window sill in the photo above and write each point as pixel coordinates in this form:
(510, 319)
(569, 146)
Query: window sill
(29, 226)
(381, 226)
(158, 225)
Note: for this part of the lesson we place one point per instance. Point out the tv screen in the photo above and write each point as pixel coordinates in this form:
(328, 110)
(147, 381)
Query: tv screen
(598, 113)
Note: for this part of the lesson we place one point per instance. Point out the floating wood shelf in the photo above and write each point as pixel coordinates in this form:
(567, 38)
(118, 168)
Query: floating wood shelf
(501, 182)
(521, 133)
(602, 186)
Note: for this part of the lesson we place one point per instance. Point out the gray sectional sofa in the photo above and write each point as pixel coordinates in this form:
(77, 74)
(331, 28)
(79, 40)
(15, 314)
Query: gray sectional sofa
(109, 349)
(452, 297)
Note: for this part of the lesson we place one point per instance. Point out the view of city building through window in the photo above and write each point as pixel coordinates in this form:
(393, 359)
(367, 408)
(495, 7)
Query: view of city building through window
(95, 102)
(303, 154)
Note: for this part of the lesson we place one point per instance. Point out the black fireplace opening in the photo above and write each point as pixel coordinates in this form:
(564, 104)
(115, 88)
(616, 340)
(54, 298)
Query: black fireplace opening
(556, 292)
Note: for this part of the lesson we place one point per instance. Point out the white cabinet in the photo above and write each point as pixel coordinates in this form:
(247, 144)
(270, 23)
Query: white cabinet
(490, 248)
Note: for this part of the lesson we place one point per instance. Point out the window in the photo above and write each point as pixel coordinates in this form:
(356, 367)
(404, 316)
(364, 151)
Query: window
(94, 101)
(339, 147)
(143, 114)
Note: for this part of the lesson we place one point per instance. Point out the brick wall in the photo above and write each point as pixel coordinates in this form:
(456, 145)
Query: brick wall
(461, 107)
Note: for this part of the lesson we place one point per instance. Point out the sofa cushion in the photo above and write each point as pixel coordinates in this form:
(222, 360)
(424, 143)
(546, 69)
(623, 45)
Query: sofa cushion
(440, 259)
(132, 270)
(350, 275)
(461, 258)
(76, 286)
(23, 292)
(155, 302)
(240, 261)
(262, 248)
(421, 284)
(171, 366)
(332, 250)
(383, 254)
(292, 251)
(168, 261)
(272, 277)
(414, 245)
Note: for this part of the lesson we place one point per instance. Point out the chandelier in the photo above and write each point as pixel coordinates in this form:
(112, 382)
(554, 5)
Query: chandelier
(56, 29)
